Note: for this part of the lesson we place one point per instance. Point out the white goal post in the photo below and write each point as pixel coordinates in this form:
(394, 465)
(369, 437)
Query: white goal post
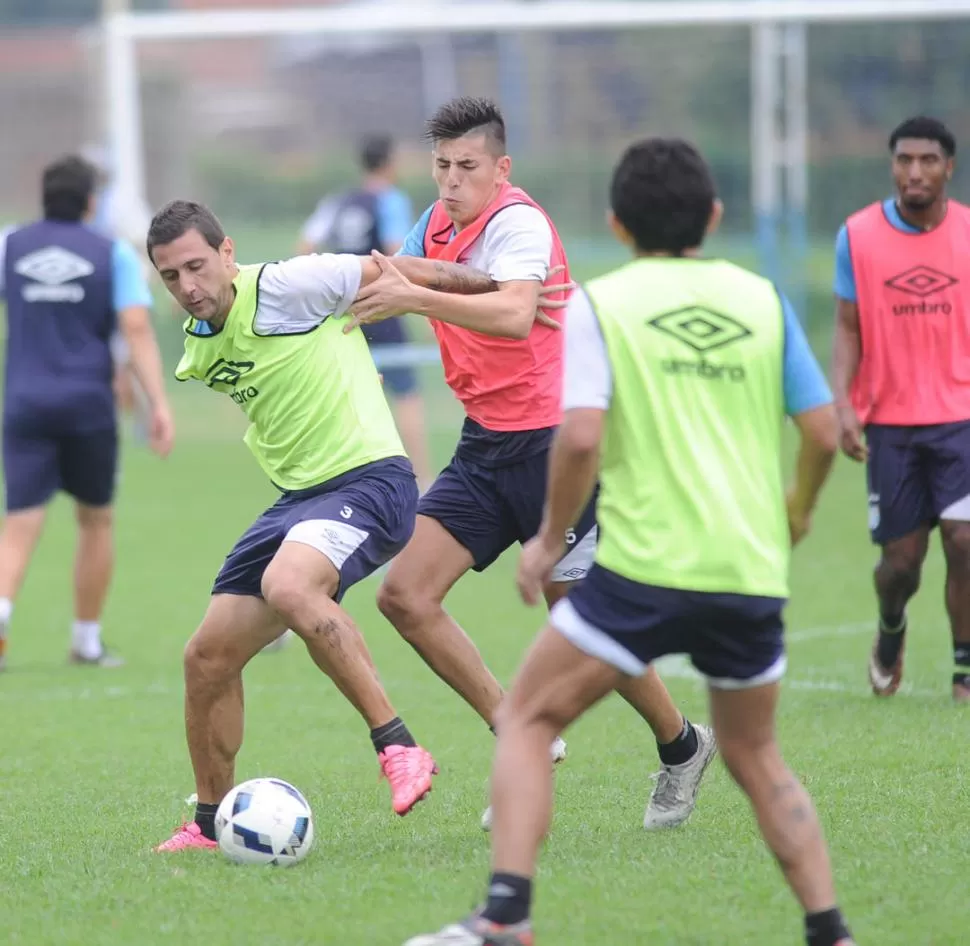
(778, 66)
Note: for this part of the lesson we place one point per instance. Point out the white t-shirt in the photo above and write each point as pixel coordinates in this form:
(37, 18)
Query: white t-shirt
(516, 244)
(296, 295)
(587, 375)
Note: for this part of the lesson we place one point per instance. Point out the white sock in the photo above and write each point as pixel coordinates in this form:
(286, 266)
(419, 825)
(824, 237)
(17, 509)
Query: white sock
(6, 610)
(86, 638)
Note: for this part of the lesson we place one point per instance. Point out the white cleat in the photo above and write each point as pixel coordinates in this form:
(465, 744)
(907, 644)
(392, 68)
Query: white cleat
(557, 752)
(675, 793)
(274, 646)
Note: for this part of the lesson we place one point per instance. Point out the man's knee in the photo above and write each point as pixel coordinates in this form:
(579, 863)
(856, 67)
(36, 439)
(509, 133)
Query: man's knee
(956, 543)
(749, 761)
(208, 660)
(95, 517)
(294, 577)
(406, 605)
(902, 563)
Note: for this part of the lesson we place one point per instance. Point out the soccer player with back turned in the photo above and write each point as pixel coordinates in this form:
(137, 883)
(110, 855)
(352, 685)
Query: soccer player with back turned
(506, 369)
(679, 374)
(901, 372)
(68, 290)
(270, 337)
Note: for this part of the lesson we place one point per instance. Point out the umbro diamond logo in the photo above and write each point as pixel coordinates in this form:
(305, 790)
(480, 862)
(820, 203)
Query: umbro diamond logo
(921, 281)
(700, 328)
(53, 273)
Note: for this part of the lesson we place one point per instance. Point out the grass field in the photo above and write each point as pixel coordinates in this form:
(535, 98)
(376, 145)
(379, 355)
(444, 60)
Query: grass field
(94, 770)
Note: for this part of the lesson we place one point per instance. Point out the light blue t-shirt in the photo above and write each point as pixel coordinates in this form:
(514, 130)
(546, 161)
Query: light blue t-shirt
(844, 283)
(414, 241)
(129, 286)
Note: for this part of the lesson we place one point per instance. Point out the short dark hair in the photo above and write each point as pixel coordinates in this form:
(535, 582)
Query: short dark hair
(176, 218)
(929, 129)
(663, 194)
(375, 152)
(67, 186)
(460, 116)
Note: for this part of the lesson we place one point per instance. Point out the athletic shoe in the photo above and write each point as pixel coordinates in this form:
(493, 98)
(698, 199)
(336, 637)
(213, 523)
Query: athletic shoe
(409, 770)
(476, 931)
(188, 835)
(105, 659)
(961, 693)
(885, 680)
(558, 753)
(675, 793)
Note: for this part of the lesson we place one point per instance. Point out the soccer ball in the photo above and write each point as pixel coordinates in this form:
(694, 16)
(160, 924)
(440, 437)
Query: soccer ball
(265, 821)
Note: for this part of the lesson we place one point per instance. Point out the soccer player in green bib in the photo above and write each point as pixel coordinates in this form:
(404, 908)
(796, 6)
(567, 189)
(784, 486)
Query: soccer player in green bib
(271, 338)
(679, 373)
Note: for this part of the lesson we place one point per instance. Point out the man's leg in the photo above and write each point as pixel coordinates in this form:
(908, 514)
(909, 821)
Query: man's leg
(333, 541)
(956, 549)
(460, 524)
(93, 568)
(900, 518)
(744, 720)
(556, 685)
(234, 629)
(31, 478)
(88, 465)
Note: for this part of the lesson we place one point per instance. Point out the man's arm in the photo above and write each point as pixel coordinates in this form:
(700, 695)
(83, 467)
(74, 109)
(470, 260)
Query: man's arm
(808, 401)
(575, 454)
(131, 302)
(846, 348)
(432, 274)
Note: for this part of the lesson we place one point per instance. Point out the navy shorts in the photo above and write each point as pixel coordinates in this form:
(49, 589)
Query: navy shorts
(399, 380)
(916, 477)
(736, 641)
(489, 507)
(359, 520)
(39, 462)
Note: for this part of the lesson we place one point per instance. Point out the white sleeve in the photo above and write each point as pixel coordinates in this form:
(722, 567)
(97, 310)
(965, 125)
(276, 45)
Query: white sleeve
(516, 244)
(300, 293)
(587, 375)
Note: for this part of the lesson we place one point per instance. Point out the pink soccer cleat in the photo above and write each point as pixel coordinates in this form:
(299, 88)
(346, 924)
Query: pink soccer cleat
(409, 770)
(188, 835)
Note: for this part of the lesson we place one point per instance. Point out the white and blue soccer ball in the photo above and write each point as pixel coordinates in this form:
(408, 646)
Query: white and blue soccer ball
(265, 821)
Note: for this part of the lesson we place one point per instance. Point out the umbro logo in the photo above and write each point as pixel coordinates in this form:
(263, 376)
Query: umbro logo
(228, 372)
(53, 272)
(700, 328)
(921, 281)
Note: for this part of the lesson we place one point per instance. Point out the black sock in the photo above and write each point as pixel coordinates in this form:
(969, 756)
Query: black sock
(509, 899)
(892, 633)
(394, 733)
(682, 749)
(205, 818)
(825, 929)
(961, 663)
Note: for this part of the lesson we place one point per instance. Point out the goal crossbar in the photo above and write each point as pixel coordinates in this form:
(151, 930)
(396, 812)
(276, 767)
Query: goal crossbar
(516, 15)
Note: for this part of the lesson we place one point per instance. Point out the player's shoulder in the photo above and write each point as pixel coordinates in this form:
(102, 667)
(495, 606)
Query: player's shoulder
(521, 223)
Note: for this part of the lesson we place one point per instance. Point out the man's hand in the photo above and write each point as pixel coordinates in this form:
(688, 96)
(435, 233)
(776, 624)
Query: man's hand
(542, 305)
(850, 433)
(390, 295)
(799, 521)
(539, 556)
(162, 432)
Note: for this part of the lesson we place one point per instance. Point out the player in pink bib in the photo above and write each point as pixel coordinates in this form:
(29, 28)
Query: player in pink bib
(901, 373)
(503, 359)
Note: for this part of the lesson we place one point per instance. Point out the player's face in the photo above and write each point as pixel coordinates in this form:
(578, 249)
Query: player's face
(468, 176)
(921, 170)
(198, 276)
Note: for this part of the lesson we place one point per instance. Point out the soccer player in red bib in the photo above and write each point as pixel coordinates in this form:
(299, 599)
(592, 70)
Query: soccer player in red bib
(901, 373)
(505, 364)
